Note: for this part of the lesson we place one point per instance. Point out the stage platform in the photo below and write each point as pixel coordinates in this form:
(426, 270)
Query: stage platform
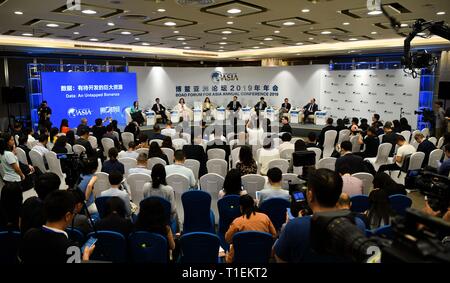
(298, 130)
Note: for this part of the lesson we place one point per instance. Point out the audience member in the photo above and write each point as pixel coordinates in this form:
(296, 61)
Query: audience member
(328, 127)
(312, 140)
(143, 141)
(397, 127)
(178, 168)
(98, 130)
(87, 182)
(41, 146)
(232, 184)
(286, 139)
(354, 162)
(274, 190)
(249, 221)
(80, 221)
(167, 143)
(115, 180)
(23, 140)
(246, 164)
(115, 218)
(111, 135)
(156, 135)
(197, 152)
(403, 150)
(83, 124)
(155, 151)
(131, 151)
(141, 166)
(424, 146)
(112, 164)
(350, 185)
(286, 128)
(169, 130)
(389, 136)
(444, 169)
(266, 155)
(371, 141)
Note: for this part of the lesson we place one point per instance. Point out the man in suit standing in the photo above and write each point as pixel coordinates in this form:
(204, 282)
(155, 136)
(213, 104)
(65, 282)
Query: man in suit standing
(310, 109)
(260, 106)
(159, 109)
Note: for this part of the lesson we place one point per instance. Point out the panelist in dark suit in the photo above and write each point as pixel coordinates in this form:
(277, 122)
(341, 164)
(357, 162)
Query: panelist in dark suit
(310, 109)
(286, 106)
(260, 106)
(234, 105)
(159, 109)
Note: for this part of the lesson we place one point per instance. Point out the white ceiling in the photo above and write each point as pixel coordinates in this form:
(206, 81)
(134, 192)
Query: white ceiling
(207, 31)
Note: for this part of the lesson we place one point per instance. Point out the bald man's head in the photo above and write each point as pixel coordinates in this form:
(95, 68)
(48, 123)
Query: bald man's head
(344, 201)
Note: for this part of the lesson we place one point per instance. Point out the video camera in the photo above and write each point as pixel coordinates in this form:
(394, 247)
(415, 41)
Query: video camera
(428, 114)
(435, 187)
(416, 237)
(299, 203)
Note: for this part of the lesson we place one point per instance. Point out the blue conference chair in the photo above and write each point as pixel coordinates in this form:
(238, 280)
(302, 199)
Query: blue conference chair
(275, 208)
(400, 203)
(360, 203)
(167, 212)
(198, 216)
(148, 247)
(76, 236)
(199, 247)
(9, 246)
(111, 246)
(229, 210)
(100, 203)
(252, 247)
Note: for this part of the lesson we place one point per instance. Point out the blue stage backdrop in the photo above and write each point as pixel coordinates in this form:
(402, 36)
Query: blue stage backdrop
(90, 95)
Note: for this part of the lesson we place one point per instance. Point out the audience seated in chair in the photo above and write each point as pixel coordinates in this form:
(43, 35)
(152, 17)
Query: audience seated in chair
(131, 151)
(232, 184)
(155, 151)
(294, 243)
(110, 134)
(274, 190)
(112, 164)
(286, 128)
(425, 146)
(371, 142)
(267, 154)
(351, 186)
(246, 164)
(156, 135)
(49, 243)
(116, 179)
(389, 136)
(80, 221)
(178, 168)
(115, 218)
(286, 139)
(249, 221)
(354, 162)
(141, 166)
(197, 152)
(84, 141)
(143, 141)
(404, 149)
(444, 169)
(312, 140)
(329, 126)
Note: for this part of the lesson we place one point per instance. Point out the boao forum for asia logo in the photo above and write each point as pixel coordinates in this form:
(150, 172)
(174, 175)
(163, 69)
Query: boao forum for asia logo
(218, 77)
(74, 112)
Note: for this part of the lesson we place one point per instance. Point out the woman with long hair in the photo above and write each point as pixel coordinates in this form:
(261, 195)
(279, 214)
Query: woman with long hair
(232, 184)
(53, 134)
(115, 218)
(250, 220)
(246, 164)
(60, 145)
(167, 143)
(152, 219)
(159, 188)
(155, 151)
(70, 135)
(64, 127)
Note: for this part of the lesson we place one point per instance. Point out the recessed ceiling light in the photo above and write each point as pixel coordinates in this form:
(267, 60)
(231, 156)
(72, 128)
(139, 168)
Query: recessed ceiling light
(125, 33)
(255, 47)
(187, 47)
(440, 13)
(111, 24)
(276, 31)
(221, 50)
(346, 23)
(137, 38)
(52, 25)
(181, 38)
(27, 34)
(374, 13)
(227, 32)
(89, 12)
(298, 54)
(221, 47)
(311, 38)
(224, 38)
(76, 32)
(161, 10)
(223, 43)
(145, 43)
(170, 24)
(353, 39)
(299, 43)
(305, 11)
(175, 31)
(326, 32)
(184, 43)
(18, 12)
(234, 11)
(422, 33)
(230, 23)
(93, 39)
(288, 23)
(268, 39)
(373, 32)
(403, 25)
(261, 43)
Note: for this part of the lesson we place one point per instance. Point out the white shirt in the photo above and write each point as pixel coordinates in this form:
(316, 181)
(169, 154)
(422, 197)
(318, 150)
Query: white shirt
(168, 132)
(180, 169)
(6, 160)
(114, 192)
(30, 141)
(129, 154)
(285, 145)
(404, 150)
(255, 136)
(265, 156)
(41, 149)
(351, 185)
(272, 192)
(141, 170)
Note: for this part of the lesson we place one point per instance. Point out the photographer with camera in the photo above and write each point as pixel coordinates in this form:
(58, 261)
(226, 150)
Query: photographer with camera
(441, 121)
(294, 244)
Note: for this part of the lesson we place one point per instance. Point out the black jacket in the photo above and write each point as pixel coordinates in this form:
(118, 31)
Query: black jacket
(263, 106)
(321, 138)
(314, 109)
(287, 106)
(155, 108)
(230, 106)
(90, 152)
(197, 152)
(354, 162)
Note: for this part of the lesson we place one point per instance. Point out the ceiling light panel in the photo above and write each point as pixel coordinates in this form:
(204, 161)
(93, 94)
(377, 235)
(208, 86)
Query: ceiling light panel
(180, 38)
(42, 24)
(231, 8)
(288, 22)
(91, 11)
(170, 22)
(125, 32)
(227, 31)
(362, 12)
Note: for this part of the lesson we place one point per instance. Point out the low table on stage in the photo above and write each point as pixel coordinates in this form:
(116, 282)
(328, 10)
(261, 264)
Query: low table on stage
(198, 115)
(246, 113)
(151, 117)
(174, 116)
(220, 114)
(321, 117)
(295, 114)
(270, 114)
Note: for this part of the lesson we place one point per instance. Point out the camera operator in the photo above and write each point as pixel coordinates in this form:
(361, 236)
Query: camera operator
(324, 190)
(440, 122)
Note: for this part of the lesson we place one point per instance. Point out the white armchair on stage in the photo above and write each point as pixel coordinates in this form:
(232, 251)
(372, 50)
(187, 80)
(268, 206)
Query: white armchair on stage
(128, 115)
(176, 113)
